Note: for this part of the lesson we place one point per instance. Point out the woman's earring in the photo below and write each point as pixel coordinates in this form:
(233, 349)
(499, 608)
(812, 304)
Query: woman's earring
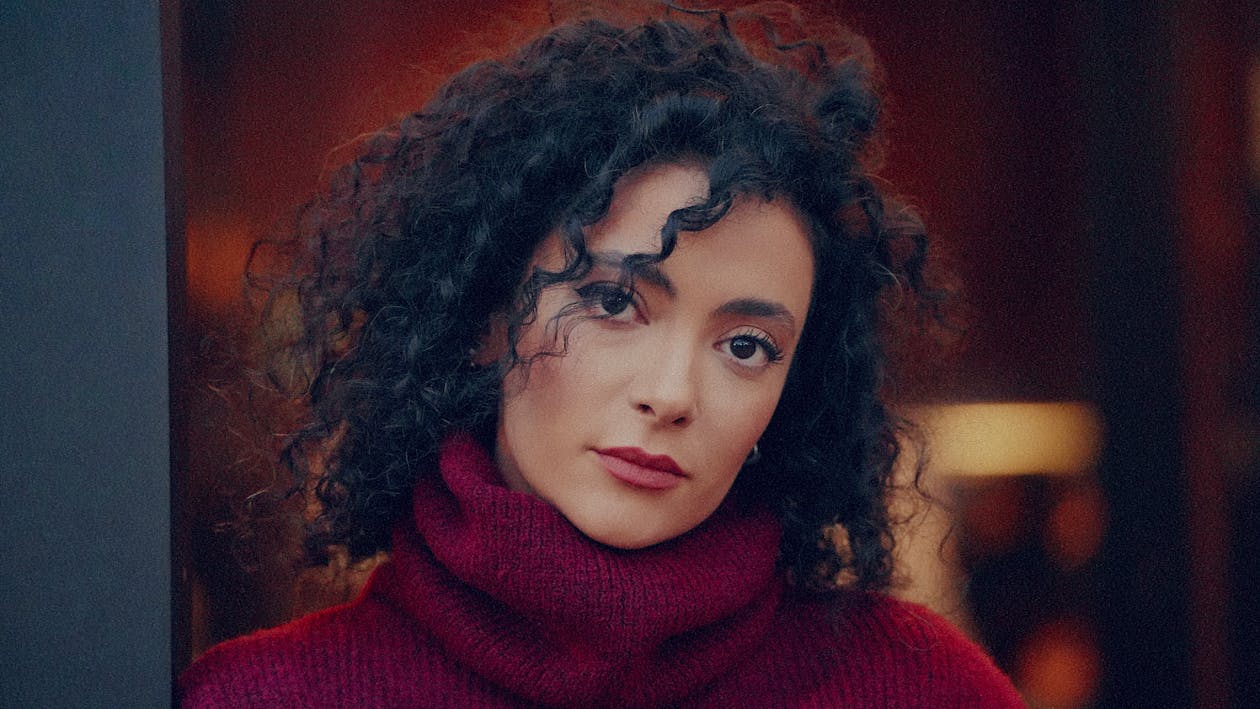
(754, 455)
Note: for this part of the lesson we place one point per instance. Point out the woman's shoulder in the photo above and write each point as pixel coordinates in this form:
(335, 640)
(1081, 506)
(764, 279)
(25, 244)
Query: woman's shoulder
(871, 649)
(292, 664)
(881, 620)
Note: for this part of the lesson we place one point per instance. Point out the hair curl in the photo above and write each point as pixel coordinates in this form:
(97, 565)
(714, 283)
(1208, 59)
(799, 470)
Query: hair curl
(426, 236)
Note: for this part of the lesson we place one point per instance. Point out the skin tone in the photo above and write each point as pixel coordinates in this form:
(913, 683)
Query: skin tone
(637, 433)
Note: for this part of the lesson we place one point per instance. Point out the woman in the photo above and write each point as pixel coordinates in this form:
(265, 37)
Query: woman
(596, 351)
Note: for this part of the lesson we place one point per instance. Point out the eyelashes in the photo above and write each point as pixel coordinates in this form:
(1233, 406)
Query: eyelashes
(748, 347)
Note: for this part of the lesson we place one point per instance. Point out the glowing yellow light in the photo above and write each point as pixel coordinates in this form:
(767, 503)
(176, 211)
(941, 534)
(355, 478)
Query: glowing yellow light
(1011, 438)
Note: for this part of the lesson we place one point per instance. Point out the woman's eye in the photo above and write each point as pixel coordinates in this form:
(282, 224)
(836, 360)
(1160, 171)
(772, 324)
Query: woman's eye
(752, 350)
(608, 300)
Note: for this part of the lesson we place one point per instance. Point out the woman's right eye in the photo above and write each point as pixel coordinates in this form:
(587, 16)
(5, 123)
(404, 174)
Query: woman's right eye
(608, 300)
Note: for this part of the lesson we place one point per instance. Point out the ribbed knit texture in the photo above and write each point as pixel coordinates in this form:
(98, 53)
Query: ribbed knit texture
(493, 599)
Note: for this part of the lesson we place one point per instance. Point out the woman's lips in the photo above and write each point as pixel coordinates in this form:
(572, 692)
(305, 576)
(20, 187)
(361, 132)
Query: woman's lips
(637, 467)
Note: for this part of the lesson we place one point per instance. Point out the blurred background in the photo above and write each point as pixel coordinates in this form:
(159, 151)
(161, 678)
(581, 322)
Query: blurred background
(1091, 171)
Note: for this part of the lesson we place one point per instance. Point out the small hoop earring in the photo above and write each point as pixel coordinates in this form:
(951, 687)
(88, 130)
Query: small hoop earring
(754, 455)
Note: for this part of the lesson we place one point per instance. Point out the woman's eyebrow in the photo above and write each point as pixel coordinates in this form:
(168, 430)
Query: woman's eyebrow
(757, 308)
(637, 269)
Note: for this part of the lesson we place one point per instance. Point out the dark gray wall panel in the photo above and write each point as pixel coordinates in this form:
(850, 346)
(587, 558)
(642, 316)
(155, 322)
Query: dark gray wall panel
(84, 591)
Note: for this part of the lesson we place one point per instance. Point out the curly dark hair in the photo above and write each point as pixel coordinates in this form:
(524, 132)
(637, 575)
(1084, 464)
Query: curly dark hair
(426, 236)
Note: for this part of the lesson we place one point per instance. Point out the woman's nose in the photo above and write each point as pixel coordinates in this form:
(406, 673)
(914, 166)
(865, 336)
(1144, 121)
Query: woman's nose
(667, 387)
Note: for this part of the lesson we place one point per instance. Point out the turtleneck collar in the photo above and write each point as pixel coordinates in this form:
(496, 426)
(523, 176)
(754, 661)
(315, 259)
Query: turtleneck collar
(512, 591)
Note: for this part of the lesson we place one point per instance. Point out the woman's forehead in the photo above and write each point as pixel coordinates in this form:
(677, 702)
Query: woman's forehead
(642, 201)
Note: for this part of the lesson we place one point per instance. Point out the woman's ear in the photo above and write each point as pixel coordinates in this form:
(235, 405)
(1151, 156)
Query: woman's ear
(493, 345)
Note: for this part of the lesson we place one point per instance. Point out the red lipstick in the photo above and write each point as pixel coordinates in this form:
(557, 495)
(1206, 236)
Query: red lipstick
(637, 467)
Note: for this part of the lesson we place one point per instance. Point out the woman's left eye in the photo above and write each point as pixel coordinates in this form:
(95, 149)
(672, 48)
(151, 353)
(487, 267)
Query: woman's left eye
(751, 349)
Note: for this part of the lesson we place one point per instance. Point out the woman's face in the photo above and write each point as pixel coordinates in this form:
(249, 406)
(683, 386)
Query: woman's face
(637, 433)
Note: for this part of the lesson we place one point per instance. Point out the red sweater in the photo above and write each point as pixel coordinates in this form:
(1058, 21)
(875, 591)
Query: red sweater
(492, 599)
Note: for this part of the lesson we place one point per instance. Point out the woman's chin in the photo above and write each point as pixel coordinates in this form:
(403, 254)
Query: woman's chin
(618, 536)
(627, 541)
(627, 533)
